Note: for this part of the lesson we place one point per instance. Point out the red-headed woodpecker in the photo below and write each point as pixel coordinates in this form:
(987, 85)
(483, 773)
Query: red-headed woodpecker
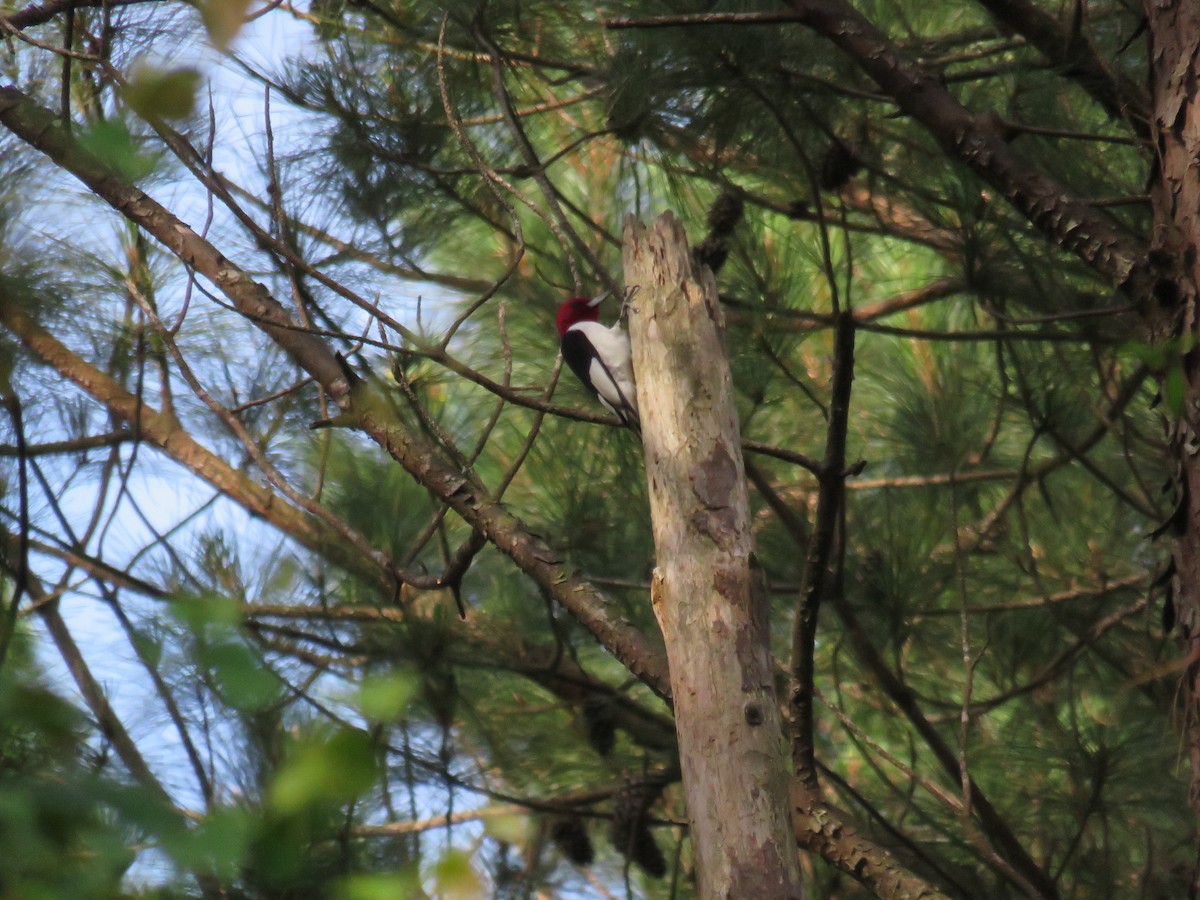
(599, 356)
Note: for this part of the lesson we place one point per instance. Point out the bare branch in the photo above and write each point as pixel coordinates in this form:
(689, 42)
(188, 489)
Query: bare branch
(40, 13)
(818, 559)
(70, 445)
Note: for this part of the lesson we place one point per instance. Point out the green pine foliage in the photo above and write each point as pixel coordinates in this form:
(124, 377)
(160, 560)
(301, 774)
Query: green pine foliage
(353, 736)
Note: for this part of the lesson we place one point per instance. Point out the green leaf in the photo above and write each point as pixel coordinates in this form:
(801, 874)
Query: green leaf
(383, 698)
(511, 829)
(336, 770)
(1174, 389)
(392, 886)
(1152, 355)
(111, 142)
(162, 93)
(218, 844)
(223, 19)
(245, 681)
(149, 645)
(280, 850)
(456, 878)
(282, 578)
(32, 709)
(197, 613)
(143, 807)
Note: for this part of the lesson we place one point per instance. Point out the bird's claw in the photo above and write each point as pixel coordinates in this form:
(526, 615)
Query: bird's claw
(627, 300)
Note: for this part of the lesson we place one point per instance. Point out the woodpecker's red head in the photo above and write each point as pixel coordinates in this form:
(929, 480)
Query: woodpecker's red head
(578, 309)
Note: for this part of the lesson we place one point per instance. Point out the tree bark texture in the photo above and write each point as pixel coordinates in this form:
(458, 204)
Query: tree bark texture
(1175, 261)
(706, 590)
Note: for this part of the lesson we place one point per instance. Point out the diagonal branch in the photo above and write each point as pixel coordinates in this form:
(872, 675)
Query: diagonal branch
(978, 142)
(71, 445)
(165, 432)
(363, 404)
(558, 672)
(822, 830)
(41, 129)
(89, 688)
(1074, 56)
(995, 827)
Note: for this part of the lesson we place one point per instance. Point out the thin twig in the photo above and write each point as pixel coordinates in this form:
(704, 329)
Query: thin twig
(818, 559)
(20, 570)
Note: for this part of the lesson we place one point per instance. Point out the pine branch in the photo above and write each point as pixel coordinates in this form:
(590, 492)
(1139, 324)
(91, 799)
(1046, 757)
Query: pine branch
(820, 549)
(701, 19)
(70, 445)
(40, 13)
(359, 401)
(819, 829)
(978, 142)
(998, 831)
(1073, 56)
(165, 432)
(557, 672)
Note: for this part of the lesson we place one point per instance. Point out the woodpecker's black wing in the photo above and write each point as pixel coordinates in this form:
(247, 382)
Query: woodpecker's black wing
(580, 354)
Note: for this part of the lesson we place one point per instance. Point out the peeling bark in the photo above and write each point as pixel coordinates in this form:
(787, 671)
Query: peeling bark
(821, 831)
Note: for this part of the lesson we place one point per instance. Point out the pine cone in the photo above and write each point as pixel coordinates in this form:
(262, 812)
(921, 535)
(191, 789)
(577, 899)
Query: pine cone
(628, 830)
(723, 217)
(840, 163)
(570, 836)
(601, 725)
(726, 212)
(711, 252)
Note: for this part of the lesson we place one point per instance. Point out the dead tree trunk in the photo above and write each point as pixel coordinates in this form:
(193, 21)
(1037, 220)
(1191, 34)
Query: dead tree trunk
(706, 592)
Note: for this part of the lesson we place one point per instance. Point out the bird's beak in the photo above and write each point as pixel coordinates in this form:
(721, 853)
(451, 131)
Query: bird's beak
(595, 301)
